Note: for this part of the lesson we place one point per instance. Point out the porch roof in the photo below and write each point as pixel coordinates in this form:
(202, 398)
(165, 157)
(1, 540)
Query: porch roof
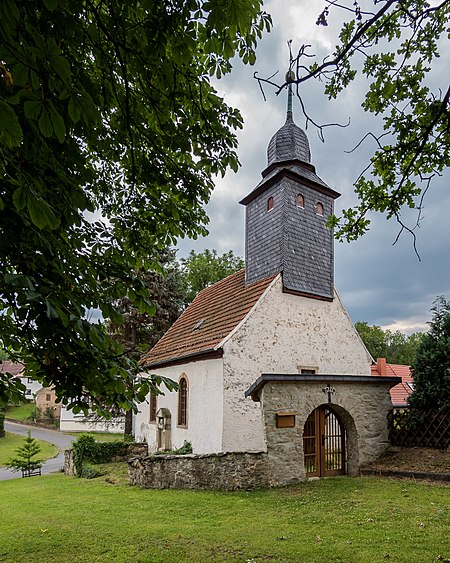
(254, 389)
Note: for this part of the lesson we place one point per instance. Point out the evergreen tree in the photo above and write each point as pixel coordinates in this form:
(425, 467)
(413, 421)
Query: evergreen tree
(25, 456)
(431, 368)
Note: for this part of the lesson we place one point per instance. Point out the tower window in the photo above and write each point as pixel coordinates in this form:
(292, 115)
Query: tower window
(300, 200)
(270, 203)
(319, 208)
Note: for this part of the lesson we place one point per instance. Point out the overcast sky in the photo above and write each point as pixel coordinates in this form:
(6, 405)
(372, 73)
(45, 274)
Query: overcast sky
(381, 283)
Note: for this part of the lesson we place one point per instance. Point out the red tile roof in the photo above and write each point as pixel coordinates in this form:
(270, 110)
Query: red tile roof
(400, 392)
(14, 368)
(216, 311)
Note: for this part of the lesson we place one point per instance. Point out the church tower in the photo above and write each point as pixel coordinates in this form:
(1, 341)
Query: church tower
(286, 217)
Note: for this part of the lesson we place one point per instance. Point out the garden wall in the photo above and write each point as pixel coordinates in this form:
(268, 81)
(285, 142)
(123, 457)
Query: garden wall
(222, 471)
(133, 449)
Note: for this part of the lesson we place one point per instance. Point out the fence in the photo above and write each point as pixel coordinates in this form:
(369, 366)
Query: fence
(410, 428)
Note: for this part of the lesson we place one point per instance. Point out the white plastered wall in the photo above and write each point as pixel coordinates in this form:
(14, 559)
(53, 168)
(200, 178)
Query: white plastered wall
(70, 422)
(205, 407)
(282, 334)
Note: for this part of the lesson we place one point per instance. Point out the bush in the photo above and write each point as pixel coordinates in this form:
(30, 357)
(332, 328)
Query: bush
(86, 448)
(90, 472)
(2, 424)
(35, 415)
(186, 448)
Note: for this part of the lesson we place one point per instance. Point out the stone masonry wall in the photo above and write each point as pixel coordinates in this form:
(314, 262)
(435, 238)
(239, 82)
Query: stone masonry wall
(133, 449)
(363, 409)
(223, 471)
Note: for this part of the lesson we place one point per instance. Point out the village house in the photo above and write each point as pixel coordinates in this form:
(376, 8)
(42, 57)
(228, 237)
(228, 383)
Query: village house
(400, 392)
(267, 360)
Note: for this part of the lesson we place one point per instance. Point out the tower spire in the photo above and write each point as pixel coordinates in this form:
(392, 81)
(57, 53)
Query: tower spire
(290, 77)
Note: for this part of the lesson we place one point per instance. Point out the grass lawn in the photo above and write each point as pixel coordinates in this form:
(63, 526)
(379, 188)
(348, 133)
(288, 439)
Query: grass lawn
(20, 412)
(12, 441)
(64, 519)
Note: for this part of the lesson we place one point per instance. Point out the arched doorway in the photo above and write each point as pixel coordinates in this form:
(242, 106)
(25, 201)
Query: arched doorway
(324, 443)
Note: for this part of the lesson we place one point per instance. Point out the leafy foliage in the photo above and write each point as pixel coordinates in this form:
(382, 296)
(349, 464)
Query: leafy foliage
(431, 368)
(2, 424)
(395, 45)
(138, 331)
(25, 459)
(86, 448)
(185, 449)
(396, 347)
(110, 132)
(205, 268)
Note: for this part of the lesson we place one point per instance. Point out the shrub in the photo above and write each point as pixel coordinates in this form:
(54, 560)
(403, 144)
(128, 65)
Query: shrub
(186, 448)
(2, 424)
(90, 472)
(86, 448)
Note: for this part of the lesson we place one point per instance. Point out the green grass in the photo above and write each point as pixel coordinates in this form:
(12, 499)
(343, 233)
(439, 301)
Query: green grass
(12, 441)
(20, 412)
(62, 519)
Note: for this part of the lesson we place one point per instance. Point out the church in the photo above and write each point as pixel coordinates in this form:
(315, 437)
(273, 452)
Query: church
(267, 359)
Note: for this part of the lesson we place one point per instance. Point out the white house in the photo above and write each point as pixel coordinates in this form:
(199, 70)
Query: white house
(70, 422)
(16, 369)
(276, 328)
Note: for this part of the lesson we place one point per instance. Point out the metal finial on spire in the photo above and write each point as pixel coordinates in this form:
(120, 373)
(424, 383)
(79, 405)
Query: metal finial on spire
(290, 77)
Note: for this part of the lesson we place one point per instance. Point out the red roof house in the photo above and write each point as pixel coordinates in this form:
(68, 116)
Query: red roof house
(401, 392)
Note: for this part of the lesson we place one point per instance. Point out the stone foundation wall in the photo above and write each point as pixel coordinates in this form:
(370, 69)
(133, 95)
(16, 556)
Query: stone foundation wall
(223, 471)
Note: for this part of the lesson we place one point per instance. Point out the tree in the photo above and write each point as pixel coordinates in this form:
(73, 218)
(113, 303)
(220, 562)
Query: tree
(205, 268)
(2, 424)
(110, 132)
(25, 459)
(395, 45)
(374, 339)
(431, 368)
(139, 331)
(396, 347)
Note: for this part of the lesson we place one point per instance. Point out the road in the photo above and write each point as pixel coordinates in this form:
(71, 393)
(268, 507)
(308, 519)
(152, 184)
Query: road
(59, 439)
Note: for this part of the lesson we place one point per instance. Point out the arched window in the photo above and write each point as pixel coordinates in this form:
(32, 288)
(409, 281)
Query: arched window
(300, 200)
(270, 203)
(153, 407)
(182, 401)
(319, 208)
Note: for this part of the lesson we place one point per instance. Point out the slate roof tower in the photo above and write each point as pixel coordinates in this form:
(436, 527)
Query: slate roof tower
(286, 217)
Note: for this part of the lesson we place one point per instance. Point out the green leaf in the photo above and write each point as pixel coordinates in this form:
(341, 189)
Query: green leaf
(45, 124)
(41, 214)
(33, 109)
(20, 198)
(58, 124)
(62, 68)
(10, 130)
(74, 110)
(51, 4)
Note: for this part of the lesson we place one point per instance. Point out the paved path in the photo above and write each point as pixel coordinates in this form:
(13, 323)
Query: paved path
(59, 439)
